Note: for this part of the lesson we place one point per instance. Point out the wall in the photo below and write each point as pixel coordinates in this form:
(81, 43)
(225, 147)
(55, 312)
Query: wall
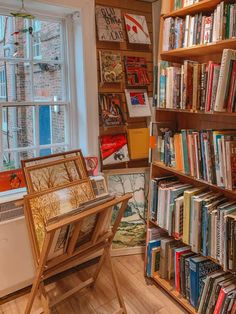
(127, 49)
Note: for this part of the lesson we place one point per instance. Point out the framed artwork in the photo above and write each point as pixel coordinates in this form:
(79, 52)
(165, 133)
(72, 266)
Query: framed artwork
(137, 103)
(110, 107)
(137, 30)
(99, 186)
(131, 231)
(136, 71)
(114, 149)
(11, 180)
(48, 206)
(57, 173)
(91, 165)
(109, 24)
(110, 67)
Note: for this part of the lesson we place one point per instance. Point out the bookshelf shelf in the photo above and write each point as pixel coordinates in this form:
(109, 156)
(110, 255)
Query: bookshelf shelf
(198, 112)
(190, 179)
(168, 287)
(195, 8)
(199, 50)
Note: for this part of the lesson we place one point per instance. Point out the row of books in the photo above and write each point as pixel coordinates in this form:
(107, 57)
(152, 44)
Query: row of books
(200, 218)
(208, 87)
(200, 29)
(209, 155)
(111, 69)
(196, 278)
(179, 4)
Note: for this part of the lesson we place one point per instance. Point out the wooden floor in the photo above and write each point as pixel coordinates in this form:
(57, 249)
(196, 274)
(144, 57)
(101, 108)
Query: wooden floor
(139, 296)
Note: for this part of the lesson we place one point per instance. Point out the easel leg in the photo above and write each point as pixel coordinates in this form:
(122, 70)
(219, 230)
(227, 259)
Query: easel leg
(44, 299)
(99, 266)
(116, 284)
(33, 294)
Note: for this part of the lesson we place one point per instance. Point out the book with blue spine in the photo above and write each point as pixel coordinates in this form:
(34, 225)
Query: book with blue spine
(151, 245)
(200, 267)
(185, 152)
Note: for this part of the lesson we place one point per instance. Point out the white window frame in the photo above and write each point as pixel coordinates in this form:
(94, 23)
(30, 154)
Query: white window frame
(2, 84)
(37, 44)
(2, 23)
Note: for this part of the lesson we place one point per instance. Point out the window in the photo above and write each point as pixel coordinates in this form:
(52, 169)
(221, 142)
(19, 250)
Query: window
(2, 19)
(33, 101)
(37, 39)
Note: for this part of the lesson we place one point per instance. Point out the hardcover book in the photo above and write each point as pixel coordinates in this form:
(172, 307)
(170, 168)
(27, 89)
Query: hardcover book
(114, 149)
(137, 30)
(136, 71)
(135, 137)
(109, 24)
(110, 110)
(110, 67)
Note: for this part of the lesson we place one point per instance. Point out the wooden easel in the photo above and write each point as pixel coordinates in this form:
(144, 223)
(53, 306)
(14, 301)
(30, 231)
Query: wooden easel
(100, 238)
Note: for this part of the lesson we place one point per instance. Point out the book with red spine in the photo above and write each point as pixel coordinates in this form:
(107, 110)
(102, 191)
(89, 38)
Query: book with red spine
(178, 253)
(232, 89)
(224, 291)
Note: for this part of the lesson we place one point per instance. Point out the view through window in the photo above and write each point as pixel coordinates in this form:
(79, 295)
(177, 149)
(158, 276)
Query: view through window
(33, 98)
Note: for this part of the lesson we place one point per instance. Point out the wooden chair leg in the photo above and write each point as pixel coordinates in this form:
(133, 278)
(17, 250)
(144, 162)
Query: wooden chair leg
(44, 299)
(116, 284)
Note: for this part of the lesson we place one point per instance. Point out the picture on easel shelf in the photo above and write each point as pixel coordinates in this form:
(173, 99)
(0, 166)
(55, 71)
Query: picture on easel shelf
(91, 165)
(131, 231)
(11, 180)
(110, 110)
(136, 71)
(110, 67)
(137, 103)
(45, 207)
(60, 156)
(54, 174)
(109, 24)
(114, 149)
(137, 30)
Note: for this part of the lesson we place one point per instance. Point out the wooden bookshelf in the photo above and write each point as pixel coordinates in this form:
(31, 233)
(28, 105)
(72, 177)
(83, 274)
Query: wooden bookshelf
(189, 119)
(201, 6)
(168, 287)
(199, 50)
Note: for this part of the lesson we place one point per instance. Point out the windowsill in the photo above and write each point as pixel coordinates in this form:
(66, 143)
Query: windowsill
(12, 195)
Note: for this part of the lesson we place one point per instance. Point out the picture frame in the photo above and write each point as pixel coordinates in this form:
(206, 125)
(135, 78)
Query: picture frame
(136, 181)
(136, 71)
(46, 207)
(54, 157)
(137, 103)
(137, 30)
(56, 173)
(111, 69)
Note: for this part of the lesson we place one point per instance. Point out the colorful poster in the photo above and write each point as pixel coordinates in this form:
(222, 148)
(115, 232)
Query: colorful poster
(12, 179)
(137, 103)
(109, 24)
(110, 110)
(136, 27)
(136, 71)
(110, 67)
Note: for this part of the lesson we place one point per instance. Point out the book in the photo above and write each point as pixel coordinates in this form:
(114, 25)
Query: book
(114, 149)
(111, 70)
(151, 245)
(137, 103)
(135, 137)
(182, 272)
(136, 71)
(110, 108)
(109, 24)
(155, 263)
(178, 253)
(163, 271)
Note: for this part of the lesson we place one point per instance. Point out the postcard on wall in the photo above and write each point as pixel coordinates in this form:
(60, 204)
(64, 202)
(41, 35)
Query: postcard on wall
(137, 103)
(136, 71)
(131, 231)
(11, 180)
(137, 30)
(110, 67)
(109, 24)
(110, 109)
(114, 149)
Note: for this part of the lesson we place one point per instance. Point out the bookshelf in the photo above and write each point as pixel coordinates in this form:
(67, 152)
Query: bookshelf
(189, 119)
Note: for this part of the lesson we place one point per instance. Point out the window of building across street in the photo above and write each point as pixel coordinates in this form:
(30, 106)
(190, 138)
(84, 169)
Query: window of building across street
(33, 100)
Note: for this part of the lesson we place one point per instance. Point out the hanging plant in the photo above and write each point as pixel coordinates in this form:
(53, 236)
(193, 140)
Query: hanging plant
(23, 13)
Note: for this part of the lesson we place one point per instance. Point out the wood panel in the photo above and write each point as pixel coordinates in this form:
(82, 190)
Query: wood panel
(127, 49)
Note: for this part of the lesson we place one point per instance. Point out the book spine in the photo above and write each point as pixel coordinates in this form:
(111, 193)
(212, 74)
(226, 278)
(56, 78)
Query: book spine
(219, 302)
(194, 279)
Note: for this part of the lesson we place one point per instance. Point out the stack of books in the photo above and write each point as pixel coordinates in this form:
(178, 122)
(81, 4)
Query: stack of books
(208, 87)
(202, 219)
(179, 4)
(200, 29)
(209, 155)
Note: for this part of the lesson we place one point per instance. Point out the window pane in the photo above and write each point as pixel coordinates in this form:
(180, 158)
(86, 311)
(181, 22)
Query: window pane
(47, 40)
(51, 125)
(15, 83)
(48, 82)
(53, 150)
(12, 160)
(17, 127)
(15, 39)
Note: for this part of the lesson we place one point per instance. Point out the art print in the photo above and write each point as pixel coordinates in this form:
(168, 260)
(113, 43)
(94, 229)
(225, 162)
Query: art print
(110, 109)
(109, 24)
(110, 67)
(137, 30)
